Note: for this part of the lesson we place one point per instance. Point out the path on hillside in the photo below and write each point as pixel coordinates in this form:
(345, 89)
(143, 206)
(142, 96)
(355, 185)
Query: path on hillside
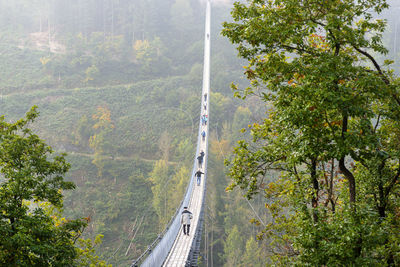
(121, 158)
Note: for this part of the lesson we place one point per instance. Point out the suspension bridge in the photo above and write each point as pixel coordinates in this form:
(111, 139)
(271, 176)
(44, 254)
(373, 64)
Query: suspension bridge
(172, 247)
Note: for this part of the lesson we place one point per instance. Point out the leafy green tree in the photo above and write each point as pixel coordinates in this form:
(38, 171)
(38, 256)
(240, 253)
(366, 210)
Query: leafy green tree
(233, 247)
(30, 176)
(87, 253)
(91, 73)
(164, 144)
(216, 199)
(240, 121)
(222, 107)
(253, 255)
(100, 141)
(177, 188)
(160, 178)
(149, 54)
(331, 107)
(82, 132)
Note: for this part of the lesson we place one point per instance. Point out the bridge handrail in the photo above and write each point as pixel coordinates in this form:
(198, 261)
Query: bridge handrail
(195, 246)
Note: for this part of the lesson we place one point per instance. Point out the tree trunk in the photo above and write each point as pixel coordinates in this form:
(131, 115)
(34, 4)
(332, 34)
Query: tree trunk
(350, 178)
(314, 179)
(342, 166)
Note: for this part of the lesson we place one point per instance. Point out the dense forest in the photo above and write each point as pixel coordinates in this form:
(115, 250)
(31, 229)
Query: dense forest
(117, 84)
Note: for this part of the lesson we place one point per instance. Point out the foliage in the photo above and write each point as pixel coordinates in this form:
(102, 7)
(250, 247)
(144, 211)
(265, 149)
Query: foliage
(177, 189)
(31, 176)
(82, 132)
(240, 121)
(87, 253)
(326, 131)
(160, 178)
(233, 247)
(253, 254)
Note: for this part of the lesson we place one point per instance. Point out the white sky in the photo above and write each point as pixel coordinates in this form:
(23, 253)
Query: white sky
(219, 2)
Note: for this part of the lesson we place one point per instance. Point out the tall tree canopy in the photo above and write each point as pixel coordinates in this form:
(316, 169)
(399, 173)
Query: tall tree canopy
(332, 130)
(30, 191)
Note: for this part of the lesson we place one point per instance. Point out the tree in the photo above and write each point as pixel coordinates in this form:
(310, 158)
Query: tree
(233, 247)
(91, 73)
(253, 254)
(164, 144)
(223, 107)
(240, 121)
(160, 178)
(31, 177)
(327, 131)
(176, 189)
(87, 253)
(82, 132)
(149, 54)
(100, 140)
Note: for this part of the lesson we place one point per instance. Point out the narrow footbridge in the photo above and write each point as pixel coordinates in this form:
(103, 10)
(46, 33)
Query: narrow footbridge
(172, 247)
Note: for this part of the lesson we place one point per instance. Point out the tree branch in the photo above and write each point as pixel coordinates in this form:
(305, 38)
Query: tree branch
(342, 166)
(378, 68)
(377, 123)
(376, 65)
(393, 182)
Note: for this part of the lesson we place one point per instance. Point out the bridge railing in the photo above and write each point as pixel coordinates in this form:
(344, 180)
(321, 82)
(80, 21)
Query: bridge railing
(195, 247)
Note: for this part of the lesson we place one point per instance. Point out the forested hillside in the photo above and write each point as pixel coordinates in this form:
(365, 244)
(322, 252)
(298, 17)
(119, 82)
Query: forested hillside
(117, 85)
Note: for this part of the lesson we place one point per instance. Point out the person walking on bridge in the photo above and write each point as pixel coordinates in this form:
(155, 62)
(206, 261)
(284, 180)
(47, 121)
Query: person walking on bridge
(200, 159)
(203, 135)
(198, 175)
(185, 220)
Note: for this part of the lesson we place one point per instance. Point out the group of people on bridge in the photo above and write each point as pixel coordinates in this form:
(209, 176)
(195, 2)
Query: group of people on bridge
(186, 215)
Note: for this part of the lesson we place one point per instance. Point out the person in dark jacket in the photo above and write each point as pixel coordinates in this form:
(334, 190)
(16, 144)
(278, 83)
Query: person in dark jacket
(200, 159)
(198, 175)
(186, 216)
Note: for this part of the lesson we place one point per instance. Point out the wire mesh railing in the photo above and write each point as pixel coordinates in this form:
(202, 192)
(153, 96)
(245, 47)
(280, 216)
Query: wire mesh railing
(195, 247)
